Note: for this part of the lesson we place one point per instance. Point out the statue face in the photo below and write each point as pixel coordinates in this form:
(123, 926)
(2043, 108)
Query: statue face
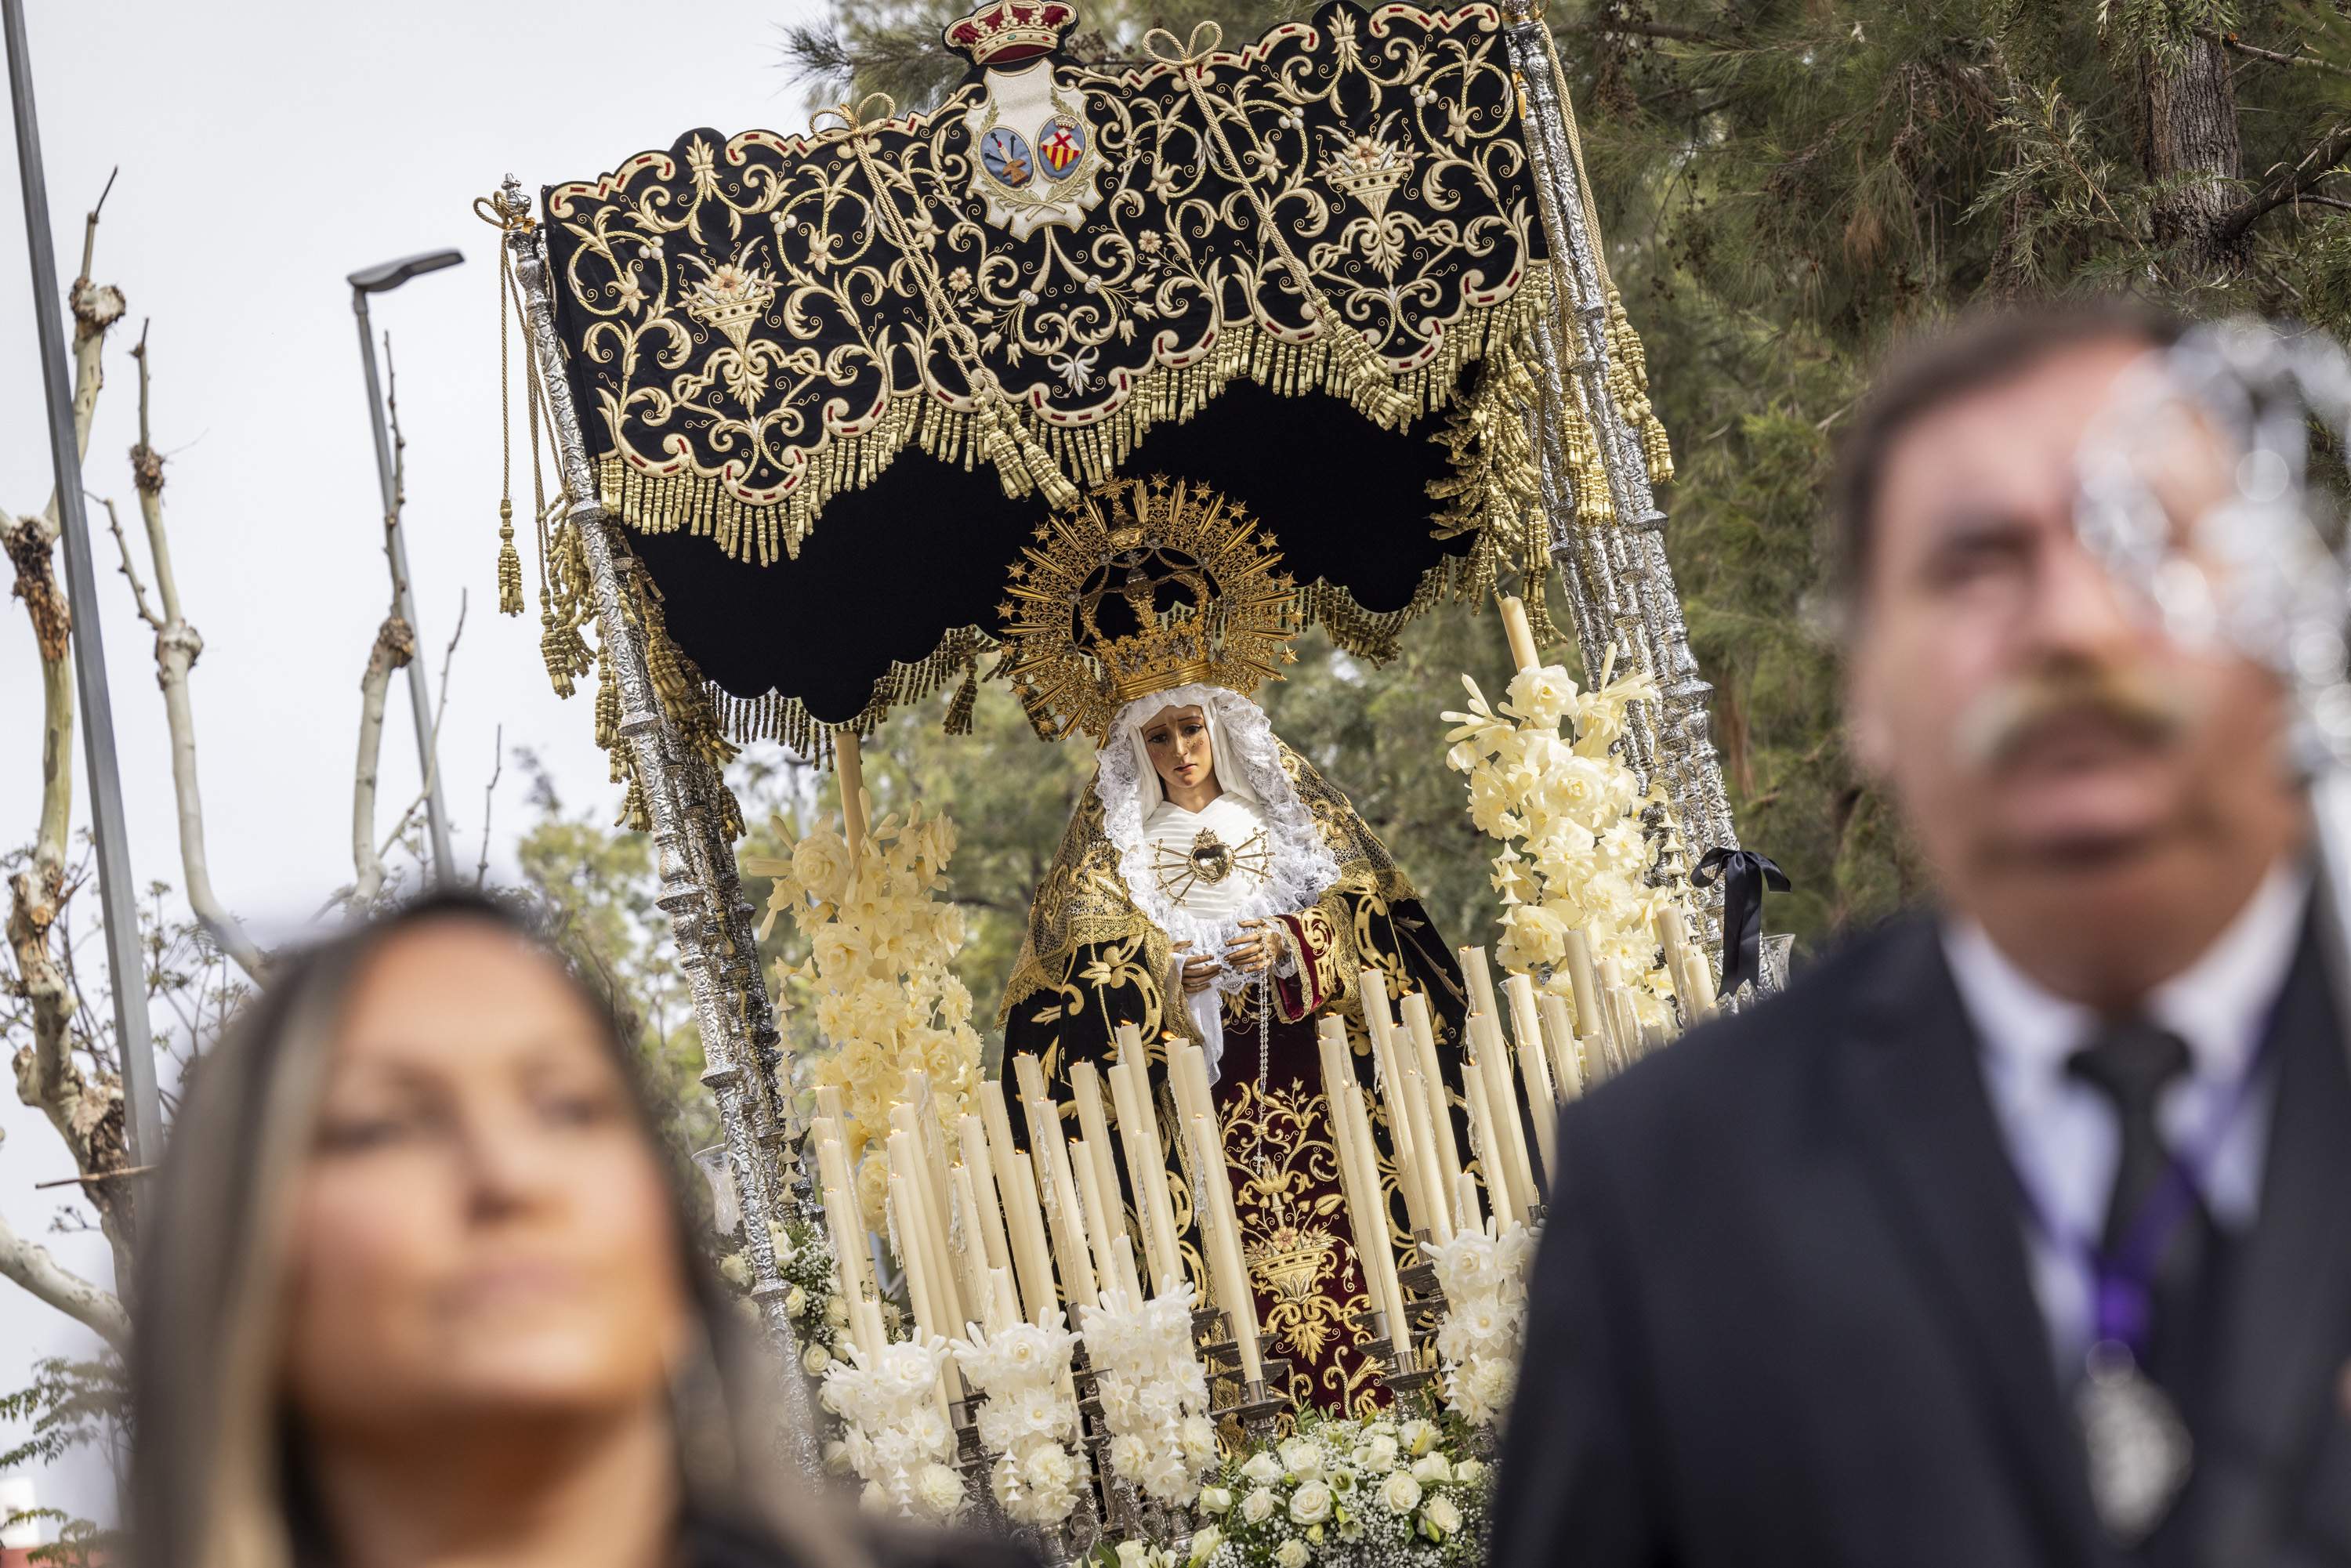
(1176, 739)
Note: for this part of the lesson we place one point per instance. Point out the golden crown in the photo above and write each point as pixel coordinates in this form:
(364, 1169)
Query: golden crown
(1140, 587)
(1010, 31)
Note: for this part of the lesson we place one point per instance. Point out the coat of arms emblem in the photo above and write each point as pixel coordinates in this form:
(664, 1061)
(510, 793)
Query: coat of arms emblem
(1033, 150)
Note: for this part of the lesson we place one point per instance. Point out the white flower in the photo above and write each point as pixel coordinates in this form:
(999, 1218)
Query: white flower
(1400, 1493)
(1301, 1458)
(1377, 1455)
(1292, 1554)
(1430, 1469)
(815, 1359)
(795, 1301)
(1204, 1541)
(1214, 1500)
(1441, 1513)
(1257, 1507)
(1133, 1554)
(1418, 1435)
(1262, 1468)
(1311, 1503)
(1466, 1471)
(820, 863)
(939, 1490)
(1541, 696)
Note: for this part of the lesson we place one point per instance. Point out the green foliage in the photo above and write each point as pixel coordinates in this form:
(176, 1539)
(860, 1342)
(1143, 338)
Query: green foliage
(70, 1406)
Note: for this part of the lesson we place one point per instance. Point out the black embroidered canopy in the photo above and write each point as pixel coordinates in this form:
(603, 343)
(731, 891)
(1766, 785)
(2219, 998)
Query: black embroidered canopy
(833, 382)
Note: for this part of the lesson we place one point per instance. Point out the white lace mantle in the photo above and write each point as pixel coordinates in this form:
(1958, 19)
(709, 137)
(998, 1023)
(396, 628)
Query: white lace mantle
(1302, 865)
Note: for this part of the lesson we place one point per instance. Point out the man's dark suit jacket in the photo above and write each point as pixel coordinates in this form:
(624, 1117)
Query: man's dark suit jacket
(1782, 1314)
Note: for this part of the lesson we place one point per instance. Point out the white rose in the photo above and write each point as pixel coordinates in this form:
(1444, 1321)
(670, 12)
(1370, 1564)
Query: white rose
(1418, 1435)
(1214, 1500)
(1262, 1468)
(1302, 1459)
(1441, 1513)
(836, 1312)
(795, 1301)
(1204, 1541)
(815, 1359)
(873, 1499)
(1430, 1469)
(1466, 1471)
(1310, 1504)
(1133, 1554)
(1379, 1455)
(1257, 1507)
(1401, 1493)
(736, 1271)
(1292, 1554)
(836, 1456)
(821, 865)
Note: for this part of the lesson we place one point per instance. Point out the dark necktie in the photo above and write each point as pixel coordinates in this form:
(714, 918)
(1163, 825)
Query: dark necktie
(2132, 1063)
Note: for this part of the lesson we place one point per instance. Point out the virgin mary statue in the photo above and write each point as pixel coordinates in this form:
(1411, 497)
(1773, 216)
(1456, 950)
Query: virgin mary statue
(1212, 883)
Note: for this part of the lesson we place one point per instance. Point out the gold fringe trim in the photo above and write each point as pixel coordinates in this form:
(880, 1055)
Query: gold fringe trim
(1029, 451)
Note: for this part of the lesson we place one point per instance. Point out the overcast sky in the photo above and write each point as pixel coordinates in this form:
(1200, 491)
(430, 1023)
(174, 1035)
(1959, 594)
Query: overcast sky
(267, 149)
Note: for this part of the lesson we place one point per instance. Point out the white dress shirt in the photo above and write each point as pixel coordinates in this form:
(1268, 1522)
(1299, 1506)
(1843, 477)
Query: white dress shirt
(2062, 1132)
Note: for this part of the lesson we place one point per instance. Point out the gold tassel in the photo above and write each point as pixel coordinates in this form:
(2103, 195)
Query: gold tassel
(509, 563)
(966, 698)
(1360, 375)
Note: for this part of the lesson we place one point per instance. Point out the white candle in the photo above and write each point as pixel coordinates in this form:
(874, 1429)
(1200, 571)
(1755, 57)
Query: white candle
(1498, 1196)
(1221, 1228)
(939, 1260)
(851, 1266)
(1402, 1135)
(1586, 982)
(1534, 1071)
(1024, 1219)
(1378, 1255)
(1480, 976)
(1366, 1231)
(1518, 633)
(971, 1136)
(1147, 1172)
(1072, 1247)
(1035, 1262)
(979, 1286)
(1085, 1080)
(1566, 1052)
(1502, 1105)
(1440, 1103)
(1112, 1262)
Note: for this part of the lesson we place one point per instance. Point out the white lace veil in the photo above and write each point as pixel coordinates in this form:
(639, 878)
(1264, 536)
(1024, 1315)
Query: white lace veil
(1248, 763)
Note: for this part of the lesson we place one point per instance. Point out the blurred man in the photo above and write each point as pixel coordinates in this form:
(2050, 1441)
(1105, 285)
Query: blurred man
(2020, 1233)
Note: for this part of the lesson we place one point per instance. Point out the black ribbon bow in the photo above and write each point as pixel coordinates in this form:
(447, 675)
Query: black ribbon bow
(1745, 874)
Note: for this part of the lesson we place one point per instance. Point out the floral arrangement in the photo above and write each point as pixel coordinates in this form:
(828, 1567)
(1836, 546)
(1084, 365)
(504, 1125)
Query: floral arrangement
(1385, 1491)
(1029, 1421)
(804, 1262)
(1154, 1391)
(894, 1431)
(881, 940)
(1568, 811)
(1485, 1281)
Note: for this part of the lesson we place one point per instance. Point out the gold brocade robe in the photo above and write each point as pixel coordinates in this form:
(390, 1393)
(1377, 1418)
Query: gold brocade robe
(1093, 961)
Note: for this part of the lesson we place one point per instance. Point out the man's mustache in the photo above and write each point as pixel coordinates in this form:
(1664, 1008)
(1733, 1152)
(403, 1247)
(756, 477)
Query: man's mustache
(1999, 725)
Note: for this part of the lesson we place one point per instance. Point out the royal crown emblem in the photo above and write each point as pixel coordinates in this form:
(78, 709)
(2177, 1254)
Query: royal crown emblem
(1033, 159)
(1144, 586)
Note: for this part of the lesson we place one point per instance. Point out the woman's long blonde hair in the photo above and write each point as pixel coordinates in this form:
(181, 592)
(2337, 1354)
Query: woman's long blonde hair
(217, 1481)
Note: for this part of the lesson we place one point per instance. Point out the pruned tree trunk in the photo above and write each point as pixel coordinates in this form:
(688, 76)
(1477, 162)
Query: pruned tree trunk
(395, 644)
(2189, 146)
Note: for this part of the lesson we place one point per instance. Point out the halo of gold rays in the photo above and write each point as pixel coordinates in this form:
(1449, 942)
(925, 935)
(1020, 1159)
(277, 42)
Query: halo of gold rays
(1129, 539)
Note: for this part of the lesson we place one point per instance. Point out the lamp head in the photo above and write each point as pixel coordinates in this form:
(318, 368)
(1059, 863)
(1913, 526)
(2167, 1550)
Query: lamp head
(388, 276)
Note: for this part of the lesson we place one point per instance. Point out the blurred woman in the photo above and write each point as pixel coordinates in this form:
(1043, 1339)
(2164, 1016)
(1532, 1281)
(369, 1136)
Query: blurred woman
(418, 1289)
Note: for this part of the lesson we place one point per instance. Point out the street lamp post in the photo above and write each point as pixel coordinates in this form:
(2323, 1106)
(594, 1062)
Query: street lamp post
(382, 279)
(126, 967)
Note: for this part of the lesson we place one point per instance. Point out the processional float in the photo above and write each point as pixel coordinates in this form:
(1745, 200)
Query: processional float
(809, 396)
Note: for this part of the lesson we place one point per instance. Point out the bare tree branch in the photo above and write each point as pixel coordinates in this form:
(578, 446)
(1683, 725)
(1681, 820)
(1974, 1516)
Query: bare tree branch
(2289, 184)
(395, 644)
(432, 749)
(1670, 32)
(177, 648)
(130, 567)
(2236, 45)
(32, 1266)
(490, 799)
